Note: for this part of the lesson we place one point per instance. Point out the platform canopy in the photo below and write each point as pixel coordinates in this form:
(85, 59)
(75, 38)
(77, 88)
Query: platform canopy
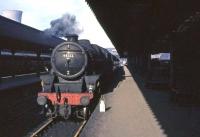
(17, 36)
(134, 25)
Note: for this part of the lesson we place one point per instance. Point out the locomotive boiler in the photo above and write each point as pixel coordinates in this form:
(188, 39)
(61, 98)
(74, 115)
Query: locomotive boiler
(74, 81)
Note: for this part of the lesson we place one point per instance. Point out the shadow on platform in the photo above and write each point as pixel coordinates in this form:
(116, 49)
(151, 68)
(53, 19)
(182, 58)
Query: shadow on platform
(175, 120)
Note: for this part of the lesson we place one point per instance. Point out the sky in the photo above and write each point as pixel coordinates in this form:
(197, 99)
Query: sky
(39, 13)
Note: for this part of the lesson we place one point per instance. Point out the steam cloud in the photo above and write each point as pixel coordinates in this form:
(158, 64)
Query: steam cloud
(63, 26)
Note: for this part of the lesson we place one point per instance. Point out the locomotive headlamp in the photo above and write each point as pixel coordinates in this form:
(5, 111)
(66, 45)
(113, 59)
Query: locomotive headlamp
(42, 84)
(90, 88)
(42, 100)
(85, 100)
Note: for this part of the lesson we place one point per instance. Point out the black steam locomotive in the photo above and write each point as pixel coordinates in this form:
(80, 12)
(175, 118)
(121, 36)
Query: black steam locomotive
(75, 77)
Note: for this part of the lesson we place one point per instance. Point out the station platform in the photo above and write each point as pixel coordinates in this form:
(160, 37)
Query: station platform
(18, 81)
(127, 114)
(132, 110)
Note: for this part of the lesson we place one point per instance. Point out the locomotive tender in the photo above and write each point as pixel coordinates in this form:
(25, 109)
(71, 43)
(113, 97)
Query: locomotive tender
(74, 81)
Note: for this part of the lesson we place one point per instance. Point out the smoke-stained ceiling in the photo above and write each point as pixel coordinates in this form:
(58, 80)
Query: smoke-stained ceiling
(133, 25)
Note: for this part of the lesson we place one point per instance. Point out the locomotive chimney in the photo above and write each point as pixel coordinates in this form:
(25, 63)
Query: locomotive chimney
(15, 15)
(72, 37)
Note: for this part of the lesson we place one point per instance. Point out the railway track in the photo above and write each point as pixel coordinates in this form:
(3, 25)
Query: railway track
(80, 129)
(50, 128)
(42, 128)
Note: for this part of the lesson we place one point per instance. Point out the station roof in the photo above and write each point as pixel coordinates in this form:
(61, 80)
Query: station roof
(17, 36)
(134, 25)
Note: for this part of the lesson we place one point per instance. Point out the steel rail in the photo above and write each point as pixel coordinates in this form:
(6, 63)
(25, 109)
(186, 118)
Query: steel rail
(35, 134)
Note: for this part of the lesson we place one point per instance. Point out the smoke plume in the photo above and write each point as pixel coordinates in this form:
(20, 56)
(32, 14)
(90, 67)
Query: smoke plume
(63, 26)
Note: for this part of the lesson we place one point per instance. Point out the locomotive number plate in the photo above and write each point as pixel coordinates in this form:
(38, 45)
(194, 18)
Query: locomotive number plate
(68, 55)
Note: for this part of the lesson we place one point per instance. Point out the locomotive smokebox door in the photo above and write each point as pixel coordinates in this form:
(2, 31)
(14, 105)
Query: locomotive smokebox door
(69, 60)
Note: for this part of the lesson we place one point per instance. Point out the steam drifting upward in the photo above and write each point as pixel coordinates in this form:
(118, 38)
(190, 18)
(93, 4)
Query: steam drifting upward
(63, 26)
